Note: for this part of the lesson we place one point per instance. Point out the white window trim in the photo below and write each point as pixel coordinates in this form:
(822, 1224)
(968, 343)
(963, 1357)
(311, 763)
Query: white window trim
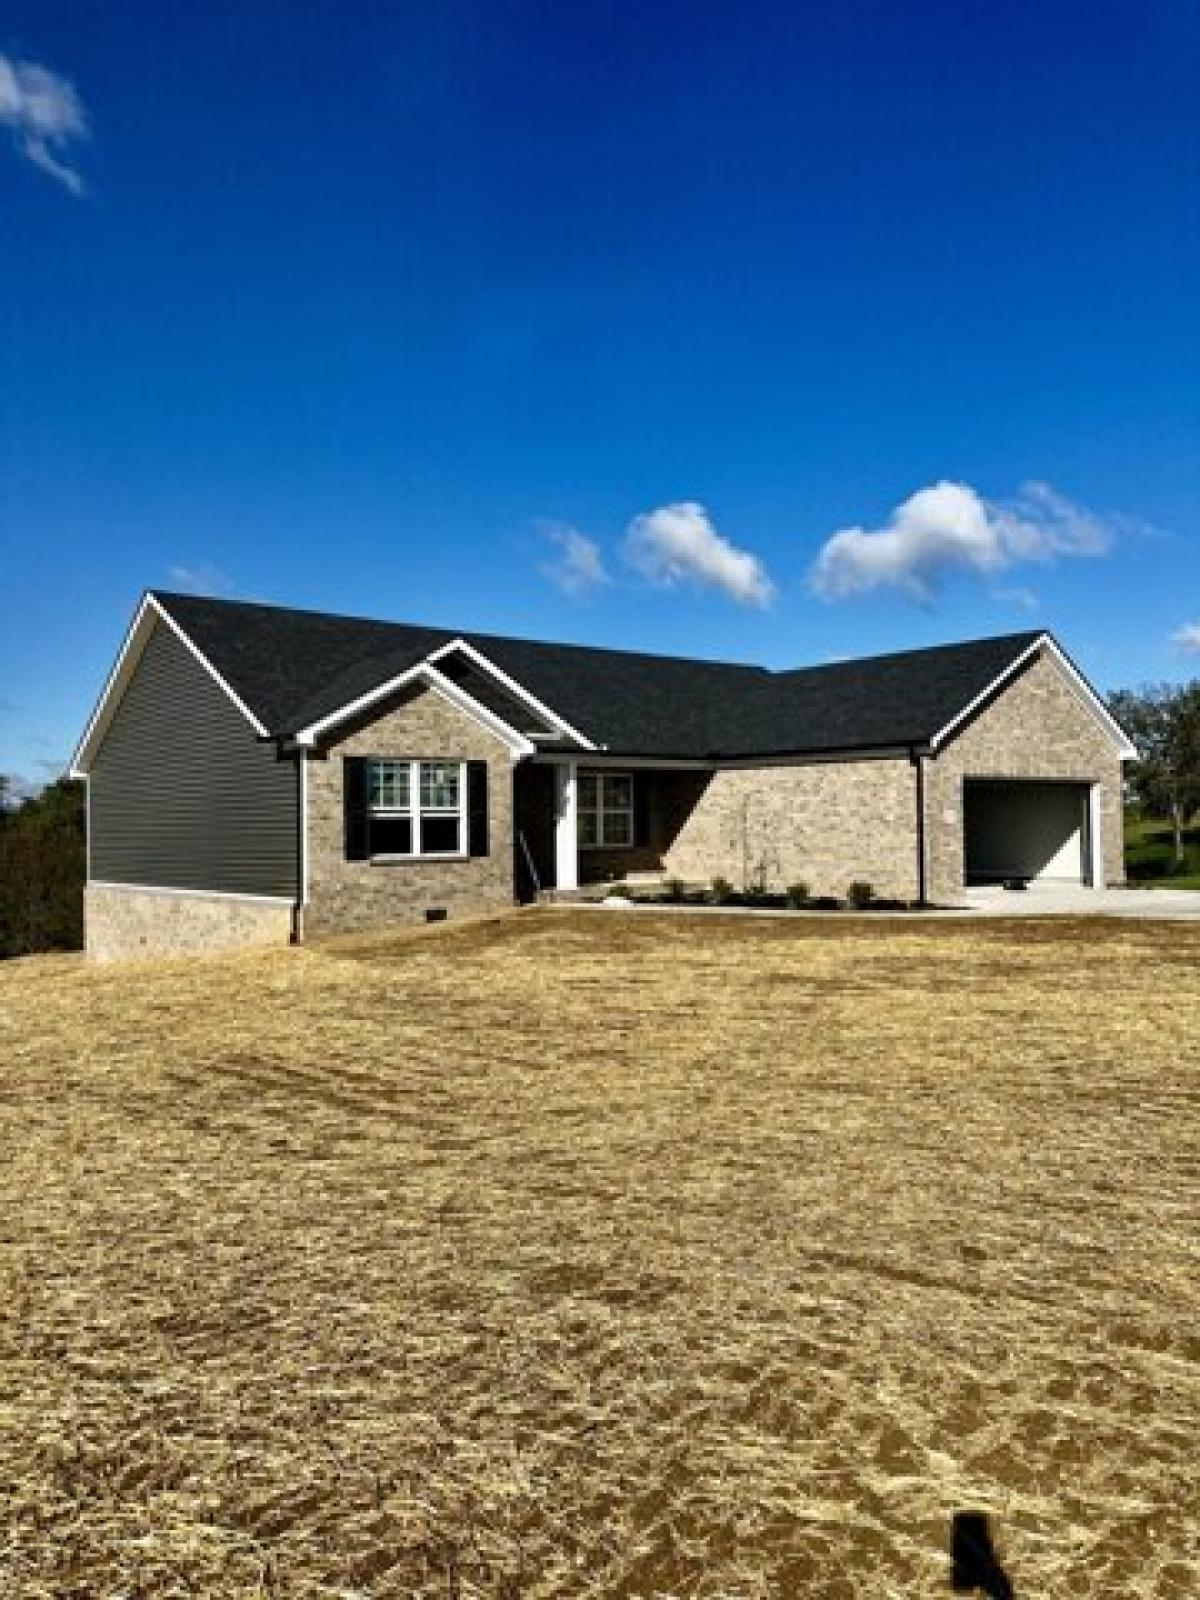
(601, 811)
(413, 811)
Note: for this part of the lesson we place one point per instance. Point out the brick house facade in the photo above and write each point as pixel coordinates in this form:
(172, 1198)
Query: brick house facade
(256, 774)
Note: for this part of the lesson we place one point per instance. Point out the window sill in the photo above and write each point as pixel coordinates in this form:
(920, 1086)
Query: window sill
(627, 846)
(397, 861)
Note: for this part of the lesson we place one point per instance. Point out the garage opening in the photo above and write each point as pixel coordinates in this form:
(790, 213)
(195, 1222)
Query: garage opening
(1026, 830)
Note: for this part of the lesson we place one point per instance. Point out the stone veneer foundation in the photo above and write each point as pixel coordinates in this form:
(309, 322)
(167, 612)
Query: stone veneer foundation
(123, 921)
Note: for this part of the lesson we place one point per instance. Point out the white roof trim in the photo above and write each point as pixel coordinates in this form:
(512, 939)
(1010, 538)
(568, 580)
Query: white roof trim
(514, 688)
(1044, 641)
(423, 672)
(516, 741)
(148, 614)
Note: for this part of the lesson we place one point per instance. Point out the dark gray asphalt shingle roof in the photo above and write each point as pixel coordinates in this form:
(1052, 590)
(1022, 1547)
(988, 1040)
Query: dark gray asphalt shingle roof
(294, 667)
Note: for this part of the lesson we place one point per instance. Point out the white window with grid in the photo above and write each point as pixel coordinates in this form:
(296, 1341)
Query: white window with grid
(417, 808)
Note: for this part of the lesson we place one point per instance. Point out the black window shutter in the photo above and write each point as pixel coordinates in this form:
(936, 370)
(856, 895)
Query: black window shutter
(354, 802)
(641, 807)
(477, 808)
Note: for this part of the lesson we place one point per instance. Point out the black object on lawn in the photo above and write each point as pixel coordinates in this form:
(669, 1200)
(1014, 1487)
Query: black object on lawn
(977, 1568)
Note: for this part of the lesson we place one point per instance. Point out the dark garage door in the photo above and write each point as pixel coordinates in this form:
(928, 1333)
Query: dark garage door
(1025, 830)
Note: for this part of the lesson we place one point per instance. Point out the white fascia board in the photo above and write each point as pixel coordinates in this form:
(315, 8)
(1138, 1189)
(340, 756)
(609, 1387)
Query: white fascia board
(513, 687)
(1091, 699)
(259, 728)
(122, 669)
(552, 758)
(149, 613)
(816, 758)
(517, 743)
(423, 672)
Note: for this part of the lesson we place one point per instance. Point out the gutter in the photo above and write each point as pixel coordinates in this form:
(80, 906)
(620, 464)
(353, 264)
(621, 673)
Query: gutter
(297, 933)
(918, 762)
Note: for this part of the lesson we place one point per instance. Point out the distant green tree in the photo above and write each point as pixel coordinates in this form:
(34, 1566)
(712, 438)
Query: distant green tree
(1163, 720)
(42, 868)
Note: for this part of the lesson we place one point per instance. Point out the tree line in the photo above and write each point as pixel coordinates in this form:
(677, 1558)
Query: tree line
(42, 868)
(43, 849)
(1163, 721)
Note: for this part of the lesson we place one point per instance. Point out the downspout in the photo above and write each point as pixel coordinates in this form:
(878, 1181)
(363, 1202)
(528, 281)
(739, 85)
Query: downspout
(297, 933)
(918, 762)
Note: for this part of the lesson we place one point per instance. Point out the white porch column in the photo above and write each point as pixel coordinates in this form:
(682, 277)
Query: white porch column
(1095, 828)
(566, 835)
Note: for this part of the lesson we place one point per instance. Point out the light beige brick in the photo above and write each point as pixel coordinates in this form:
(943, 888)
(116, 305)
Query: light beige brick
(823, 823)
(1039, 727)
(345, 895)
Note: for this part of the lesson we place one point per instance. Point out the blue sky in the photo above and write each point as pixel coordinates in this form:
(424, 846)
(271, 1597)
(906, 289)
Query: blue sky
(630, 324)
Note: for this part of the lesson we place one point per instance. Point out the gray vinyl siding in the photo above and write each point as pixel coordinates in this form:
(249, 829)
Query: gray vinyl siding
(184, 794)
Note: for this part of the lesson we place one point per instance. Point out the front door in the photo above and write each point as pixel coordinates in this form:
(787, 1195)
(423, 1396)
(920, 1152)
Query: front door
(533, 830)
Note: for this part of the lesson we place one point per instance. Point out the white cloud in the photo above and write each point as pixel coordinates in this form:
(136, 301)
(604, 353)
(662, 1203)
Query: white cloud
(950, 527)
(1041, 524)
(578, 566)
(678, 544)
(1024, 599)
(1188, 638)
(45, 115)
(200, 579)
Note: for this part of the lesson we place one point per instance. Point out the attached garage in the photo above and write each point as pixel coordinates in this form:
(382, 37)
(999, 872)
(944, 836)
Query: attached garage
(1027, 829)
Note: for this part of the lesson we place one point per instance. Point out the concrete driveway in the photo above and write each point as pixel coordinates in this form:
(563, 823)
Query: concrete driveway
(1049, 899)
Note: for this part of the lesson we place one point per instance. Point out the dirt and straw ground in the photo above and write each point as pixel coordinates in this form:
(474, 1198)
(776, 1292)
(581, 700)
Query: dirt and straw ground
(605, 1255)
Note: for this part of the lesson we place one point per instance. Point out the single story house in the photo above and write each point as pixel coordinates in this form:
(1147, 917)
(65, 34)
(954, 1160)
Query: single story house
(257, 774)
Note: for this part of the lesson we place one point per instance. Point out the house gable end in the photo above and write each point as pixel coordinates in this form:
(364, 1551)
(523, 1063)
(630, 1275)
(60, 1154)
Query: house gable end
(1045, 652)
(182, 793)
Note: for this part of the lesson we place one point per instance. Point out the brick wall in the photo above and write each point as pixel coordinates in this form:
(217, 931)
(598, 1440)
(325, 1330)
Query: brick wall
(343, 894)
(1039, 727)
(823, 823)
(671, 796)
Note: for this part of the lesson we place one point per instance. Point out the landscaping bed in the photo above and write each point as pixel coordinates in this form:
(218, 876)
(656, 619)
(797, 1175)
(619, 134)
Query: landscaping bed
(720, 893)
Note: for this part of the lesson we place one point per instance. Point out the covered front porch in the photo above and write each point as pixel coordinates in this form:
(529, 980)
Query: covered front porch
(578, 824)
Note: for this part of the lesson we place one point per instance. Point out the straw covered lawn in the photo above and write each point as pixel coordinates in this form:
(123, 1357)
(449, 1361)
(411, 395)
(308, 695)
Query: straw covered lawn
(605, 1254)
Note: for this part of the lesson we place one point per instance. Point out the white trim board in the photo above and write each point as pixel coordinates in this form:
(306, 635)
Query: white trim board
(147, 616)
(197, 894)
(514, 688)
(1091, 699)
(302, 758)
(603, 761)
(422, 672)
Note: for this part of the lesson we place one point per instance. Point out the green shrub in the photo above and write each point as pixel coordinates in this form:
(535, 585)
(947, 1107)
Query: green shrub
(860, 894)
(618, 891)
(721, 892)
(797, 895)
(675, 888)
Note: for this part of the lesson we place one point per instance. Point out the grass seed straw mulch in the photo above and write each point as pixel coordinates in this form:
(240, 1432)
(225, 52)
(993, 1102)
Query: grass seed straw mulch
(586, 1255)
